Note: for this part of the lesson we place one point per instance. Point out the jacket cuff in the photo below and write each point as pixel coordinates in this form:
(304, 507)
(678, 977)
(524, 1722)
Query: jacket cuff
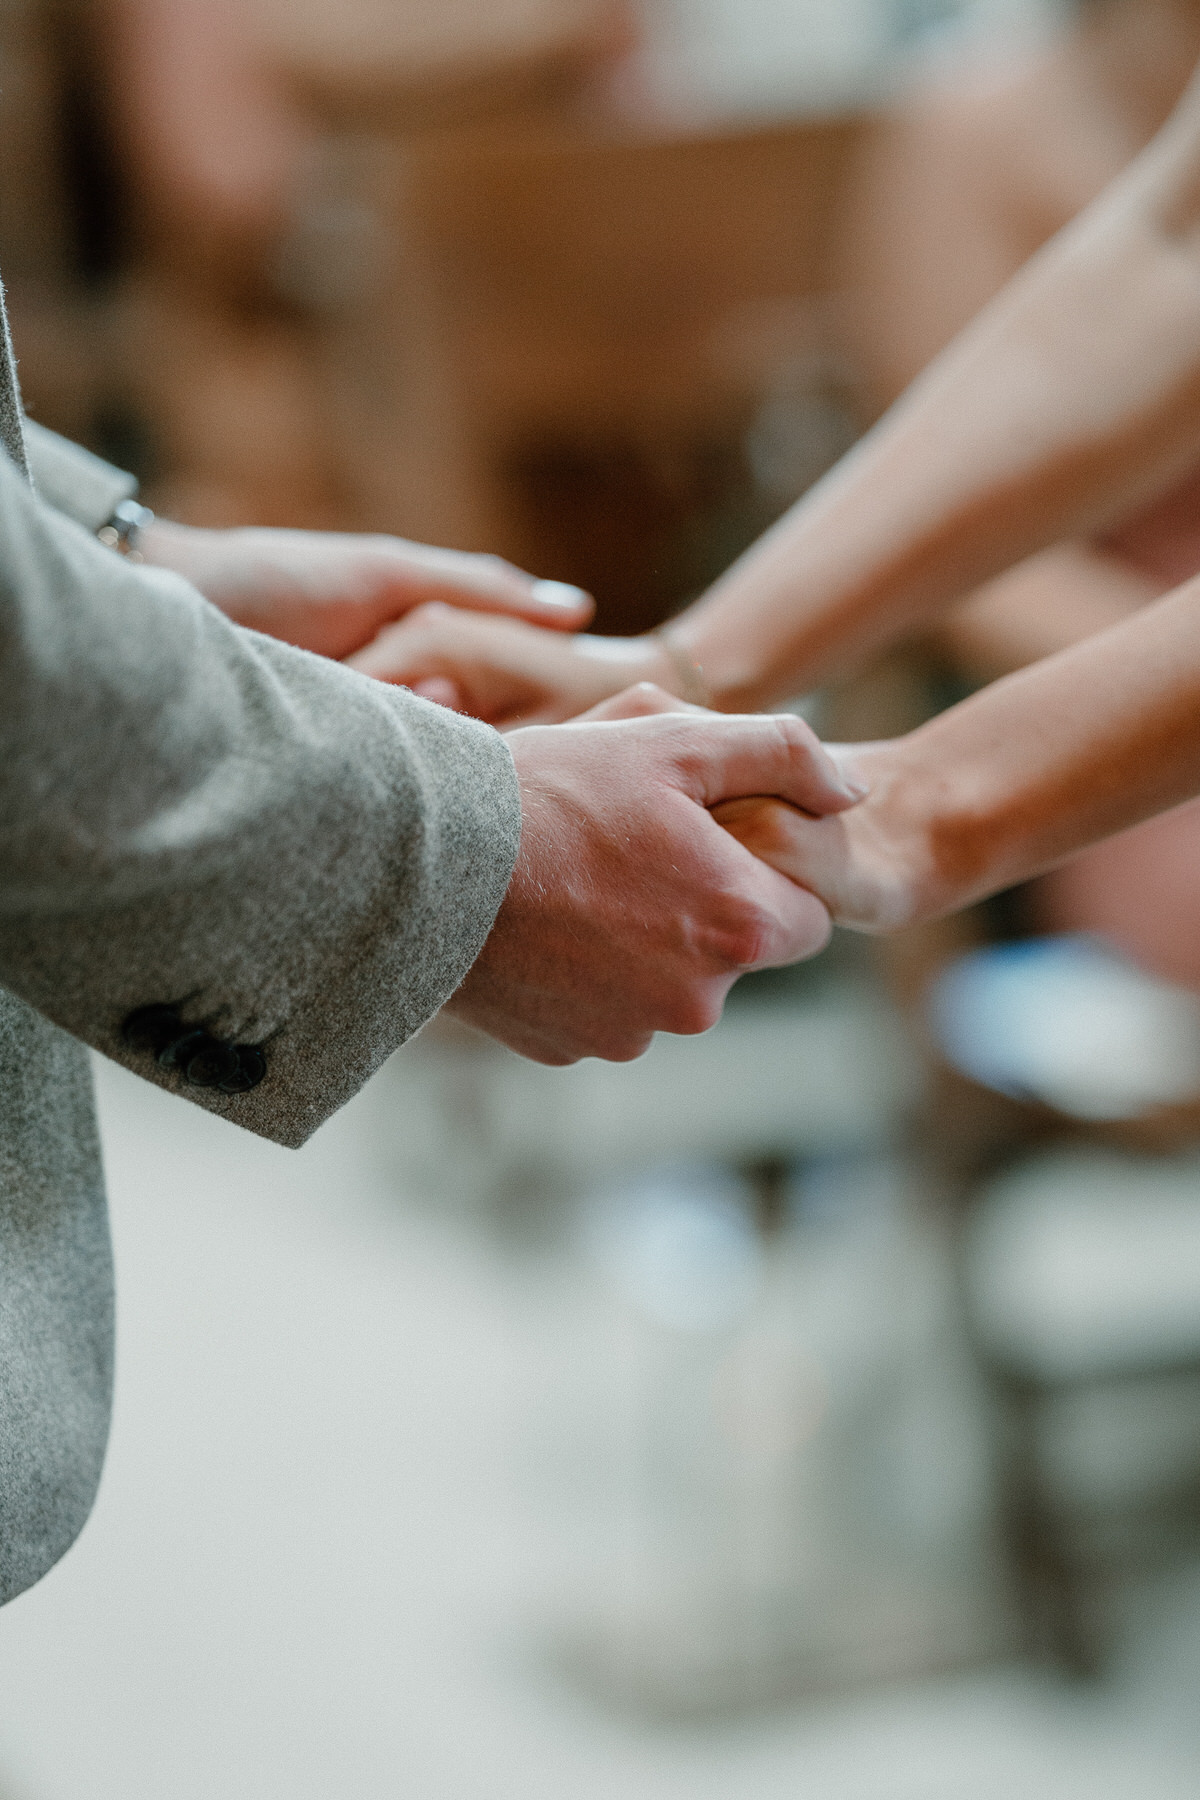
(72, 480)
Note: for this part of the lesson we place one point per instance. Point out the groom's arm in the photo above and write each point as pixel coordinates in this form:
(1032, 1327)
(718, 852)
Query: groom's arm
(301, 863)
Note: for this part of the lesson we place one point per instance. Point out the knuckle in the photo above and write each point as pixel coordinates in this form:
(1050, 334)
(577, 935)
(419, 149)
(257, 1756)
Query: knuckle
(434, 613)
(796, 733)
(490, 564)
(743, 935)
(694, 1013)
(640, 701)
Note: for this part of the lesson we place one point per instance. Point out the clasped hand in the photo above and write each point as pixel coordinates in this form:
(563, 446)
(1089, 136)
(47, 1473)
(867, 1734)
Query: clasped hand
(662, 851)
(631, 910)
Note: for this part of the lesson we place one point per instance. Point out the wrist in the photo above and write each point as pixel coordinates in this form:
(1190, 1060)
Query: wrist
(718, 676)
(687, 680)
(620, 663)
(901, 839)
(942, 835)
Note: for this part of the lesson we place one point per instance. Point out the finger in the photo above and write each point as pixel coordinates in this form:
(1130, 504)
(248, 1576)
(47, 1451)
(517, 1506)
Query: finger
(804, 925)
(463, 661)
(794, 923)
(773, 831)
(724, 758)
(414, 650)
(638, 702)
(442, 690)
(489, 584)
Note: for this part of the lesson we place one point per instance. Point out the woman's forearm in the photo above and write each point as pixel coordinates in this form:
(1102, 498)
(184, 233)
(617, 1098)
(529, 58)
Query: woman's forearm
(1009, 782)
(1044, 762)
(1072, 398)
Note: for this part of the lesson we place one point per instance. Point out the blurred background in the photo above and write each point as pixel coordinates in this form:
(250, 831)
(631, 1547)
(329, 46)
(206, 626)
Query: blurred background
(813, 1408)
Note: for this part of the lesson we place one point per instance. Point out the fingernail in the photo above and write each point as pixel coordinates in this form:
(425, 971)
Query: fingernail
(559, 593)
(857, 790)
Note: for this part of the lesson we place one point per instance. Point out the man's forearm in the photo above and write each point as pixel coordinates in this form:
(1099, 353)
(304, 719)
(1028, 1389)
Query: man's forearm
(1073, 397)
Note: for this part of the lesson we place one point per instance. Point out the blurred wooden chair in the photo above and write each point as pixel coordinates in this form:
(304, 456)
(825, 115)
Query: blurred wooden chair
(564, 328)
(43, 249)
(207, 107)
(436, 271)
(1080, 1282)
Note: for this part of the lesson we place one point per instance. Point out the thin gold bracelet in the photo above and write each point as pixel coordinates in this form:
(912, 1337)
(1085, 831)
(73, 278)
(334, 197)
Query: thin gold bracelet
(693, 684)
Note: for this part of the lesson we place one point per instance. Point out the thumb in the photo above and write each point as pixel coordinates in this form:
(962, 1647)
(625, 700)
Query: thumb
(735, 758)
(638, 702)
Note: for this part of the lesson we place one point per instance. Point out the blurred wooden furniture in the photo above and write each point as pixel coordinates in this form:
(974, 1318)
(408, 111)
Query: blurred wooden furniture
(404, 65)
(430, 270)
(58, 328)
(562, 329)
(207, 105)
(1080, 1285)
(1082, 1280)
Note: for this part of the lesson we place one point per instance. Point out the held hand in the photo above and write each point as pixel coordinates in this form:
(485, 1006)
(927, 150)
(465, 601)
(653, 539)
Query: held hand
(852, 861)
(869, 866)
(504, 671)
(630, 910)
(333, 592)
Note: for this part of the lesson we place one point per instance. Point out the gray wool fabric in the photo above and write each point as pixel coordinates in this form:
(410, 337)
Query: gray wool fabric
(11, 435)
(190, 814)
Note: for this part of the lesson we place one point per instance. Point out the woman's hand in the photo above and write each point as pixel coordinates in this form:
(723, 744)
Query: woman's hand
(862, 864)
(505, 671)
(333, 592)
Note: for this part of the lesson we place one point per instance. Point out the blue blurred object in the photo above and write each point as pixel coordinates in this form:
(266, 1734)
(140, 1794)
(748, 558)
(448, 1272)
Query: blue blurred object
(1071, 1023)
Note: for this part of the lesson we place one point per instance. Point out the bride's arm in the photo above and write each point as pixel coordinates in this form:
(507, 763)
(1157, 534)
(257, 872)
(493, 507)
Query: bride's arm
(1009, 782)
(1074, 396)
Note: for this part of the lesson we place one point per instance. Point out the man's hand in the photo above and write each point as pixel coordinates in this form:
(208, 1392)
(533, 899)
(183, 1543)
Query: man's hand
(333, 592)
(504, 671)
(631, 911)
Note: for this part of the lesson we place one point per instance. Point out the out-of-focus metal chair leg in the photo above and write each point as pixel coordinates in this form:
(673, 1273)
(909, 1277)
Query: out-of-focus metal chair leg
(1049, 1585)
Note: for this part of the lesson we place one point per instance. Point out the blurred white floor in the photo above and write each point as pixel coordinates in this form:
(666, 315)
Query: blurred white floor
(318, 1554)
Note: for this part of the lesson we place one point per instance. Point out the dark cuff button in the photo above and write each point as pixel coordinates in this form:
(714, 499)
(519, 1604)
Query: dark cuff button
(204, 1060)
(152, 1028)
(188, 1041)
(211, 1065)
(251, 1067)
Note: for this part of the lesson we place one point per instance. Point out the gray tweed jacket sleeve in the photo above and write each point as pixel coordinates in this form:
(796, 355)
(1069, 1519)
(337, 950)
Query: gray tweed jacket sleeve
(71, 479)
(294, 858)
